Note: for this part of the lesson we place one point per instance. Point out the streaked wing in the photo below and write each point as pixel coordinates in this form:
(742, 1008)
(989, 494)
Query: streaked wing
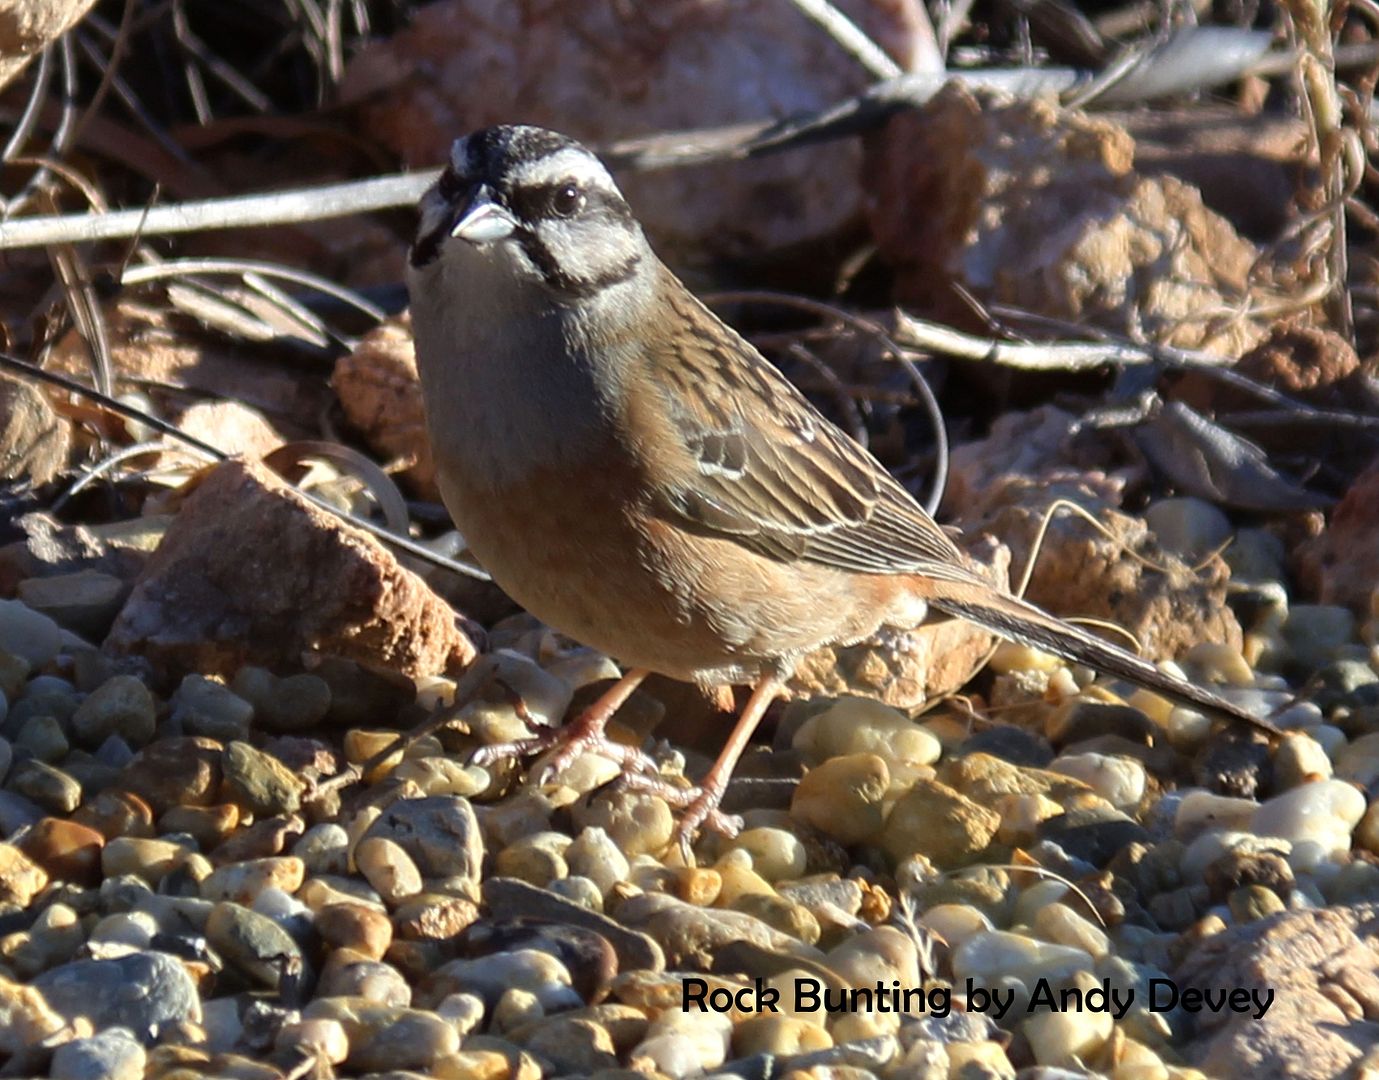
(769, 471)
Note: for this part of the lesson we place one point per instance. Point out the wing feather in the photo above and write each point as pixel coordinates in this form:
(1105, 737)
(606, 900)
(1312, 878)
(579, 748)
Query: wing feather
(767, 470)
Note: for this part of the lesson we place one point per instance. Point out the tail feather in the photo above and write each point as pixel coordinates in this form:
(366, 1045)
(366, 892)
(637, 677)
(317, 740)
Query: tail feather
(1018, 620)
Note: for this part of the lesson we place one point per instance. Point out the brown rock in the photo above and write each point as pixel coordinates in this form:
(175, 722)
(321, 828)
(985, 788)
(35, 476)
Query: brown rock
(602, 72)
(1038, 207)
(66, 850)
(1321, 966)
(250, 572)
(231, 428)
(904, 668)
(151, 347)
(27, 29)
(359, 927)
(380, 393)
(34, 440)
(1307, 362)
(1080, 572)
(1028, 444)
(116, 813)
(944, 825)
(175, 772)
(1341, 565)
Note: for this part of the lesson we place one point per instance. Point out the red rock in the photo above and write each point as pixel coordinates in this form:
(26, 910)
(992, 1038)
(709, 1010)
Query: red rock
(1341, 565)
(231, 428)
(34, 440)
(602, 72)
(381, 396)
(250, 572)
(1321, 968)
(1027, 204)
(1080, 572)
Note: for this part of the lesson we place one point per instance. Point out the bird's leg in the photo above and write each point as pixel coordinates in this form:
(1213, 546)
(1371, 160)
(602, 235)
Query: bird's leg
(584, 734)
(703, 808)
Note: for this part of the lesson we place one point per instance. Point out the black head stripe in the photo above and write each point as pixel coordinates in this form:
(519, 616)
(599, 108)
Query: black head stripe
(492, 151)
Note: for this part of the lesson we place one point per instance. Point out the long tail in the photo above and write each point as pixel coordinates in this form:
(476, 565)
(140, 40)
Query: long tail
(1019, 620)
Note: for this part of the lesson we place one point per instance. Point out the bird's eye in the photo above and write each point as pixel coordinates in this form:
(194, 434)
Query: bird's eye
(567, 200)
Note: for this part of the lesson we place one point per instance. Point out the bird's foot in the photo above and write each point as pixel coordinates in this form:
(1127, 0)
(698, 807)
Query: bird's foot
(698, 806)
(585, 734)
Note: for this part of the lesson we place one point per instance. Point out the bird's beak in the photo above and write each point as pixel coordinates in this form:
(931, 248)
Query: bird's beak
(485, 220)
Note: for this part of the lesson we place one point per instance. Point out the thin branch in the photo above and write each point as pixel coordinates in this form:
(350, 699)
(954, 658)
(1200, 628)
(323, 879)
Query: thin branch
(281, 208)
(850, 37)
(402, 543)
(1192, 61)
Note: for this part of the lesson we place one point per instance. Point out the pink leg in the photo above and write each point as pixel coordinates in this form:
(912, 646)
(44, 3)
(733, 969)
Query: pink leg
(584, 734)
(703, 809)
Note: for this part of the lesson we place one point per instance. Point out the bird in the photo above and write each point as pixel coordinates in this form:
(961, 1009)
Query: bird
(635, 474)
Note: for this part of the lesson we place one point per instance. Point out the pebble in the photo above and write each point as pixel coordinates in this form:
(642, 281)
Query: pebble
(42, 737)
(324, 849)
(112, 1054)
(782, 1036)
(121, 706)
(954, 923)
(358, 927)
(934, 820)
(386, 866)
(323, 1039)
(573, 1046)
(439, 832)
(1299, 759)
(1203, 854)
(243, 882)
(861, 726)
(387, 1037)
(125, 931)
(296, 703)
(260, 782)
(843, 797)
(141, 991)
(1198, 811)
(203, 706)
(347, 974)
(776, 855)
(1315, 633)
(29, 635)
(545, 698)
(54, 790)
(593, 855)
(1068, 1036)
(1121, 781)
(1358, 761)
(1189, 527)
(516, 899)
(210, 826)
(683, 1044)
(990, 957)
(253, 944)
(1062, 925)
(67, 850)
(1316, 818)
(430, 917)
(489, 977)
(176, 772)
(538, 859)
(637, 822)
